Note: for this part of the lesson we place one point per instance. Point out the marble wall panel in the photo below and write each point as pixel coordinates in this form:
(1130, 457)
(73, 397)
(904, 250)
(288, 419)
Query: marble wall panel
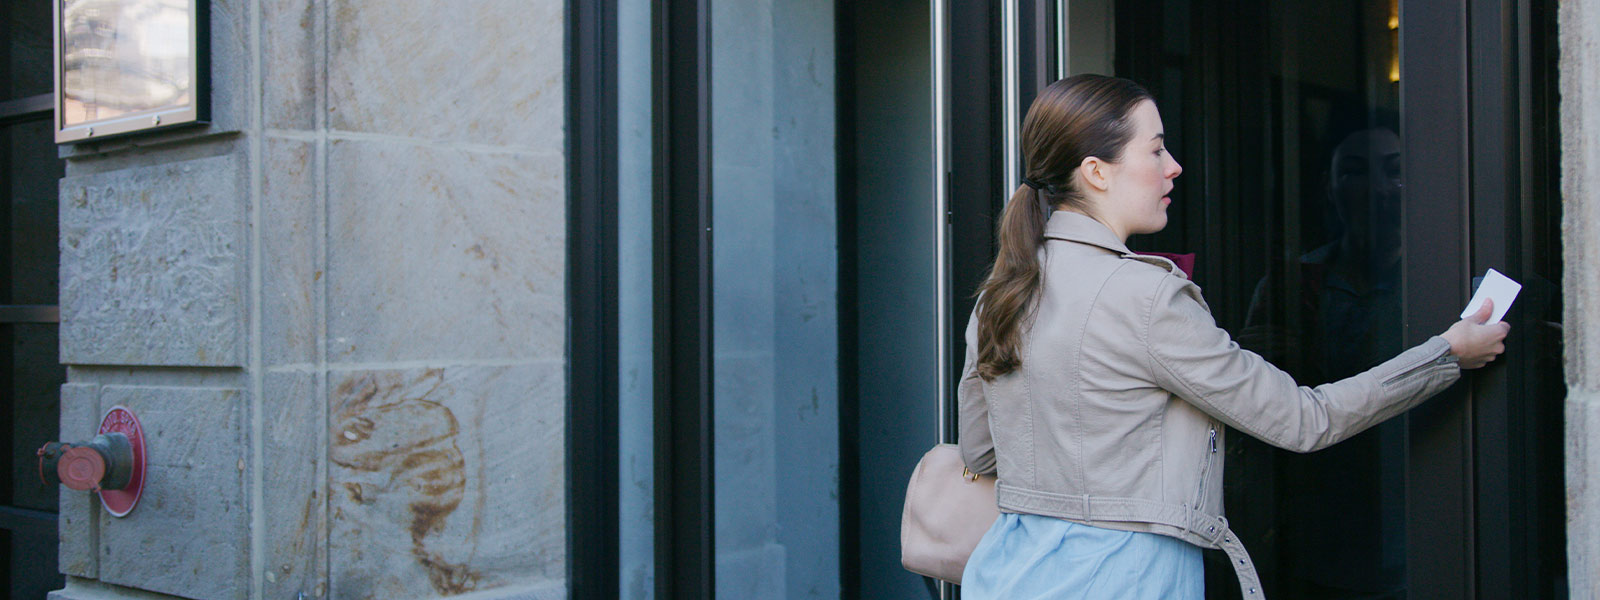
(445, 481)
(80, 511)
(485, 72)
(1580, 235)
(293, 482)
(290, 237)
(1580, 186)
(1582, 476)
(752, 572)
(292, 63)
(189, 535)
(444, 254)
(746, 514)
(229, 53)
(152, 263)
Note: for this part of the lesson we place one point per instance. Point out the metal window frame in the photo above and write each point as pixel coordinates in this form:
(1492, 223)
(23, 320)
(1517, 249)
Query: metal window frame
(26, 109)
(681, 123)
(592, 496)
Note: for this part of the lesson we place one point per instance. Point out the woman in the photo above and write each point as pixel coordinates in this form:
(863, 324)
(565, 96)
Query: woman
(1097, 384)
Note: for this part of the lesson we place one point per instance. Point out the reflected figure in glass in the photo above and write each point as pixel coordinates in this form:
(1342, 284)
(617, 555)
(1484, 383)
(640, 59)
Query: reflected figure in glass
(1342, 316)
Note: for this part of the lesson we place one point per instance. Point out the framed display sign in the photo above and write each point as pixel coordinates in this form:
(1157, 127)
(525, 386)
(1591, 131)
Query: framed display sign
(129, 65)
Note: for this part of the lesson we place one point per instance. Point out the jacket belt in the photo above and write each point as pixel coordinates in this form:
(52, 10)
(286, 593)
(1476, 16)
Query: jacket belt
(1187, 524)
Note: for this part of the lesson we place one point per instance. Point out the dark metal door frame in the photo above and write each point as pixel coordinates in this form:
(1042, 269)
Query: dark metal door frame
(681, 84)
(1433, 122)
(1481, 515)
(1515, 411)
(592, 498)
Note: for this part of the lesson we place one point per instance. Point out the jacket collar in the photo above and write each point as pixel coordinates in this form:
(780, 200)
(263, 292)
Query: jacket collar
(1078, 227)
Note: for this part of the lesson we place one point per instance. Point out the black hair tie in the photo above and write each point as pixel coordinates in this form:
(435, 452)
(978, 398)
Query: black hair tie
(1034, 184)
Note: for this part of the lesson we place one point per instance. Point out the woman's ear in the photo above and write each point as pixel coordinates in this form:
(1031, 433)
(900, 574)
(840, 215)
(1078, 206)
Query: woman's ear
(1095, 173)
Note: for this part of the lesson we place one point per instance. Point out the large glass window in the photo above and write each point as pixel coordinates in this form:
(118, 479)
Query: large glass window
(773, 298)
(774, 263)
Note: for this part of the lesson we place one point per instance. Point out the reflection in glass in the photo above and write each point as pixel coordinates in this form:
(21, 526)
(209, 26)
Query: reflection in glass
(774, 284)
(1334, 307)
(123, 57)
(1292, 200)
(1343, 517)
(635, 361)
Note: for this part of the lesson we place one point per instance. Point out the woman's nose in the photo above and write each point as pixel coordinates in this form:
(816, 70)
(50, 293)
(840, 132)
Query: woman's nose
(1175, 170)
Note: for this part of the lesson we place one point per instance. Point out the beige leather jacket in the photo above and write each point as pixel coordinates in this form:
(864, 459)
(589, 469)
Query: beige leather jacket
(1115, 417)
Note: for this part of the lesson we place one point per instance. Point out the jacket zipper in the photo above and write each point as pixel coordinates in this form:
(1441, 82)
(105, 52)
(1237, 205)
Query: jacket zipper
(1205, 470)
(1414, 370)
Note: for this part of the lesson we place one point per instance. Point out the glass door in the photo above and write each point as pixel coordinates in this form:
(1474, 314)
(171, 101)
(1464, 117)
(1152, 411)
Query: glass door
(1287, 117)
(1328, 197)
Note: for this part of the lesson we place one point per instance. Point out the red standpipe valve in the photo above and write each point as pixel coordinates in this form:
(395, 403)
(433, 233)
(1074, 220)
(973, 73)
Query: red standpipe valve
(110, 465)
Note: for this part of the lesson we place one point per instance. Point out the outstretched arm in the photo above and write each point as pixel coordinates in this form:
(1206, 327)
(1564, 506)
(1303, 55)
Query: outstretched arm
(1196, 360)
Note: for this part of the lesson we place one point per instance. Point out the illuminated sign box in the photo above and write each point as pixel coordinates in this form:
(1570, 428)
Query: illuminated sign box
(129, 65)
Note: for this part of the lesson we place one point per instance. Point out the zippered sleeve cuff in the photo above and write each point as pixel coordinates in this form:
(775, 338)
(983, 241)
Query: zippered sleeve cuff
(1419, 373)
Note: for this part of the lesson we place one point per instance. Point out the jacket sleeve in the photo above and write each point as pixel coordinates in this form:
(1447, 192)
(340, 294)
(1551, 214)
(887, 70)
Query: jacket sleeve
(977, 444)
(1193, 358)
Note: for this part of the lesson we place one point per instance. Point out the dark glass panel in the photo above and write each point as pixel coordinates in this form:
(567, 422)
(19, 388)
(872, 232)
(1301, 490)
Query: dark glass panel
(1285, 116)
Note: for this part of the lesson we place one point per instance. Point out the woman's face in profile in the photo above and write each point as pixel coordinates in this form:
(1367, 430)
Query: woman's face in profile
(1140, 183)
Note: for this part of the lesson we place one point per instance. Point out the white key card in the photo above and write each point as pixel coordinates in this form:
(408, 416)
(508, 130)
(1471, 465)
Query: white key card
(1496, 286)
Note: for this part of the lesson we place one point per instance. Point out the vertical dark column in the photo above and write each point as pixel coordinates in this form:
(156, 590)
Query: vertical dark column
(591, 422)
(845, 208)
(8, 398)
(685, 559)
(1439, 473)
(1535, 355)
(1498, 524)
(1516, 403)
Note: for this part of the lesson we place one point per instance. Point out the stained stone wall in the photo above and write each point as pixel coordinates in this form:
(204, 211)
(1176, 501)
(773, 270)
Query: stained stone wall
(338, 310)
(1579, 24)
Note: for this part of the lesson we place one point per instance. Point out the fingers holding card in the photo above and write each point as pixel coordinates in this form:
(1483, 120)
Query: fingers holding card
(1503, 290)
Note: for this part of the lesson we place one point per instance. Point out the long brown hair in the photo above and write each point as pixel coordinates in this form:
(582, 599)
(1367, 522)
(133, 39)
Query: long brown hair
(1071, 119)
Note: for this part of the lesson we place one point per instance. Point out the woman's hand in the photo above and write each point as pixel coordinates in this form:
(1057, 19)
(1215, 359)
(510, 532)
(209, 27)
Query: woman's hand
(1474, 343)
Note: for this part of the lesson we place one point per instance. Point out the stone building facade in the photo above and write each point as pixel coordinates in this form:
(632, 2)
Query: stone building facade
(1580, 201)
(339, 310)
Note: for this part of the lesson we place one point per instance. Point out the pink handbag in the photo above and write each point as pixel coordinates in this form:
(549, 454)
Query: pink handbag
(947, 512)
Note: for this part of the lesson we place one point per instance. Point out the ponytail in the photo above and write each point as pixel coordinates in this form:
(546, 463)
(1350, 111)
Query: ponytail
(1008, 293)
(1072, 119)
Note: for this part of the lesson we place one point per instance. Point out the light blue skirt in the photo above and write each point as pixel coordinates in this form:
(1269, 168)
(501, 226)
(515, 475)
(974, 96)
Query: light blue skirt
(1029, 556)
